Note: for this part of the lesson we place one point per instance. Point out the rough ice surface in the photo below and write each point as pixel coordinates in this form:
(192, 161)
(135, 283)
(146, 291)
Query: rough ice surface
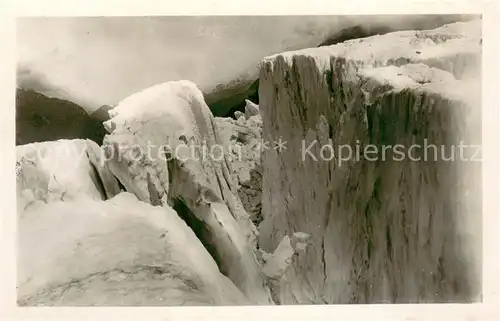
(199, 186)
(118, 252)
(180, 233)
(251, 109)
(381, 230)
(248, 225)
(452, 47)
(62, 170)
(243, 139)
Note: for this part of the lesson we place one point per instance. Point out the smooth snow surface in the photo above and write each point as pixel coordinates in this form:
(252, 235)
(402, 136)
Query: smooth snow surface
(118, 252)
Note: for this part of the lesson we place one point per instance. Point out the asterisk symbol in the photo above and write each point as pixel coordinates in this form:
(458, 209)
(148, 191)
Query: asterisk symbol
(280, 145)
(264, 145)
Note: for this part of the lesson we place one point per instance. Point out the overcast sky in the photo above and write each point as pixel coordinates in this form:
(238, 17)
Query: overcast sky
(96, 61)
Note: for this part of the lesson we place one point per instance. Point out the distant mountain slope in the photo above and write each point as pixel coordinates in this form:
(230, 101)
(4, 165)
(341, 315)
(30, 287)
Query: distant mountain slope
(101, 114)
(224, 100)
(40, 118)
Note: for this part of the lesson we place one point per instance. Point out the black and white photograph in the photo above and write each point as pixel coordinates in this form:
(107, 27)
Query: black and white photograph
(248, 160)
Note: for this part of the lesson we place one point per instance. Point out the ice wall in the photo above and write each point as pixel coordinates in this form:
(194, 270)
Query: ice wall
(382, 230)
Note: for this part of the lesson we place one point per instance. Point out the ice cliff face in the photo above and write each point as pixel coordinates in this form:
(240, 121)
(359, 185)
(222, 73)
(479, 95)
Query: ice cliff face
(382, 230)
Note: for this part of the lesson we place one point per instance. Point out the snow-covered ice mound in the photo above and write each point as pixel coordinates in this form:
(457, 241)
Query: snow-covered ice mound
(186, 167)
(178, 236)
(115, 252)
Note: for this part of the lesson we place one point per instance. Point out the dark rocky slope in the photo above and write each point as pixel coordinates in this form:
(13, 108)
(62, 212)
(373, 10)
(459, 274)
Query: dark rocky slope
(225, 100)
(101, 114)
(40, 118)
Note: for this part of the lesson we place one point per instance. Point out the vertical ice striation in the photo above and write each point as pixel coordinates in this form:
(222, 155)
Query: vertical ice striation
(383, 228)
